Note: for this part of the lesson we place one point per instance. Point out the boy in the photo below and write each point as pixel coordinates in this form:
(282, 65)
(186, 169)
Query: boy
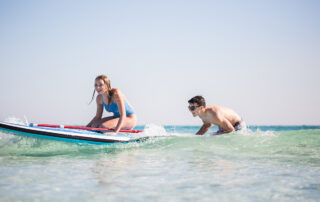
(226, 119)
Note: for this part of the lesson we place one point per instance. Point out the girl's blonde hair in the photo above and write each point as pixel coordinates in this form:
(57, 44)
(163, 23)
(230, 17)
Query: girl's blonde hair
(106, 81)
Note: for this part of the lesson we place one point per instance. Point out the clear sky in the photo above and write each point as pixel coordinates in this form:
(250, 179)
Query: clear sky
(261, 58)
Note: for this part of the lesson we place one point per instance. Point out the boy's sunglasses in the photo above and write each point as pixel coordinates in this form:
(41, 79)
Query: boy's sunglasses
(192, 108)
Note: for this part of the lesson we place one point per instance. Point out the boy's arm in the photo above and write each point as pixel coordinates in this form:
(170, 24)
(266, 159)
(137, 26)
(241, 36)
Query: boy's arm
(226, 126)
(205, 127)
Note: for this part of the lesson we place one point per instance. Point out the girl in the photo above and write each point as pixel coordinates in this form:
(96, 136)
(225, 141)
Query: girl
(113, 101)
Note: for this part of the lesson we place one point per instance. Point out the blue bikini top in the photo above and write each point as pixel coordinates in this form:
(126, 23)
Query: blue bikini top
(115, 110)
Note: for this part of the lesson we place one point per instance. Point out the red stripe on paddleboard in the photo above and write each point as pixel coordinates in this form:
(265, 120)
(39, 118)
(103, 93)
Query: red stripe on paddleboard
(84, 128)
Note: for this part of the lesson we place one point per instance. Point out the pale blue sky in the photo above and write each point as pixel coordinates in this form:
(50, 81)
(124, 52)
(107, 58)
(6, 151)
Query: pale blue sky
(261, 58)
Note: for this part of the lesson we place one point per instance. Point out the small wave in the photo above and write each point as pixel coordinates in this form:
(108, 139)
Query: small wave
(256, 133)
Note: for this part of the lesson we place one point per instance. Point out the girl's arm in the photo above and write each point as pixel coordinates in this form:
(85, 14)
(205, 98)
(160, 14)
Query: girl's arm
(93, 122)
(118, 98)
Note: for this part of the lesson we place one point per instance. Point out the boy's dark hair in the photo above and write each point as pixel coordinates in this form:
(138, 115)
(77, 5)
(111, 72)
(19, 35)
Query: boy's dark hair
(199, 100)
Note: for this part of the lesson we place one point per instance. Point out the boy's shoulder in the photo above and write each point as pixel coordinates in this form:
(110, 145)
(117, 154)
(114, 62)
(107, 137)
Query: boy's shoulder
(212, 109)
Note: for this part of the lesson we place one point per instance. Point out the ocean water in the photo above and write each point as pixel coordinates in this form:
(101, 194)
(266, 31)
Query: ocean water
(263, 163)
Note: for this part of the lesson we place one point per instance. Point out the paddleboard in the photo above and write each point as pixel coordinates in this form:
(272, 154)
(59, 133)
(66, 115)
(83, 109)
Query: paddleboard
(66, 134)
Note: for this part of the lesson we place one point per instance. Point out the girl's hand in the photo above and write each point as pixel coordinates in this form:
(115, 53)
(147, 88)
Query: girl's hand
(110, 133)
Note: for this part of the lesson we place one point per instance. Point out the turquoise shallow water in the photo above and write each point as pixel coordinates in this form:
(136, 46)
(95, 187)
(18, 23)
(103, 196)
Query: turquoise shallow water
(264, 163)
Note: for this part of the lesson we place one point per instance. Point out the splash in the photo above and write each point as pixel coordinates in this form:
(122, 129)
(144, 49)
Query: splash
(153, 130)
(9, 138)
(16, 120)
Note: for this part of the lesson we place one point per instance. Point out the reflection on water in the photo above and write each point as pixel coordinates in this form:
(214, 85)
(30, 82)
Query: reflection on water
(108, 168)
